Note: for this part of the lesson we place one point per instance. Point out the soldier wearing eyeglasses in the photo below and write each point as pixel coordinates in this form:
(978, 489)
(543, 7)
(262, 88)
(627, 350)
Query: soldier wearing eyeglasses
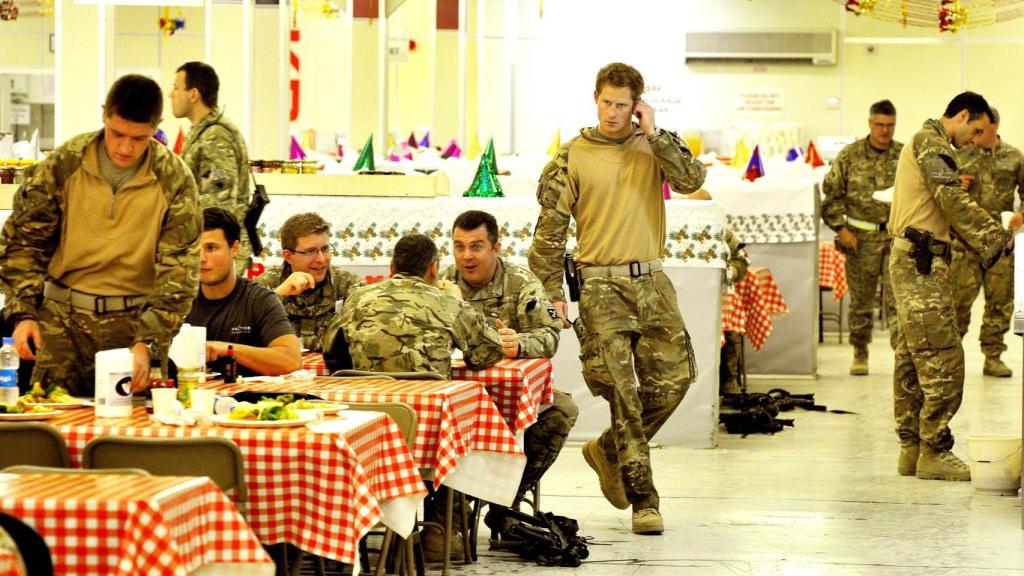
(309, 287)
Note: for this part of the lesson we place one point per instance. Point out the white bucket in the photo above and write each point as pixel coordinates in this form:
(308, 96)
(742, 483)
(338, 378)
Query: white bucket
(995, 464)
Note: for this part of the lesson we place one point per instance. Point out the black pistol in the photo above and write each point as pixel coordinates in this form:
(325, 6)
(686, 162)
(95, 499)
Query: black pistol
(922, 251)
(572, 277)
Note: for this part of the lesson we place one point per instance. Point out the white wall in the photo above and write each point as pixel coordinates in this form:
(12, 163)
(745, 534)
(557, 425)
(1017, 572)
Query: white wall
(557, 57)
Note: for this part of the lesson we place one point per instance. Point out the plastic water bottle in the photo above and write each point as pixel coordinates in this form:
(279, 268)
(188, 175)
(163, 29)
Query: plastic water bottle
(8, 372)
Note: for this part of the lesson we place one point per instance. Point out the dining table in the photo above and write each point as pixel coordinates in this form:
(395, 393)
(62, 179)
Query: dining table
(126, 525)
(462, 440)
(520, 387)
(320, 486)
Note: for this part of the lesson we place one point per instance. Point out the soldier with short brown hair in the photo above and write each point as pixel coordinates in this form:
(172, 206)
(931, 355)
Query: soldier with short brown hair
(609, 180)
(309, 287)
(102, 248)
(928, 204)
(214, 149)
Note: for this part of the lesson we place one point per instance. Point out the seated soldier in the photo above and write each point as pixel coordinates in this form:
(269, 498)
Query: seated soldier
(237, 312)
(514, 299)
(309, 287)
(407, 324)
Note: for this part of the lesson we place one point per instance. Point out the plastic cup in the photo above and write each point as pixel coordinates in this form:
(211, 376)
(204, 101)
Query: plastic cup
(165, 401)
(1006, 217)
(202, 401)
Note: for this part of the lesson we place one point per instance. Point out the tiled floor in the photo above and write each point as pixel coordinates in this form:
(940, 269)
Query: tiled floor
(820, 498)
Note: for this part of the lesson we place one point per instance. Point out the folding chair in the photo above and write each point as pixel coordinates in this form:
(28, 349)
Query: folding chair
(31, 546)
(33, 443)
(212, 456)
(27, 469)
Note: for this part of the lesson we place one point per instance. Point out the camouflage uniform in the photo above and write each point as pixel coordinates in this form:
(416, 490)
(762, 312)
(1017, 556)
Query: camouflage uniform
(72, 336)
(516, 297)
(216, 153)
(857, 172)
(998, 173)
(736, 270)
(625, 321)
(403, 324)
(311, 311)
(928, 377)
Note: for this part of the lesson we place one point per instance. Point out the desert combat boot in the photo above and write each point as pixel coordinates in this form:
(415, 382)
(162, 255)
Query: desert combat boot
(909, 452)
(860, 361)
(994, 366)
(941, 465)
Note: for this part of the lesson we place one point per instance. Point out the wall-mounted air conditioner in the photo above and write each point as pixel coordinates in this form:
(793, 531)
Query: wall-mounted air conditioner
(787, 46)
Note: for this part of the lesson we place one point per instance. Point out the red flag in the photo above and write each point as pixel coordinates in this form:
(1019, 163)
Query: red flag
(179, 142)
(813, 157)
(755, 169)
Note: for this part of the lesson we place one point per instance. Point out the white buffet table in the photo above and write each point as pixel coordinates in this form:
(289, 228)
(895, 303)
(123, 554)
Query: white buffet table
(777, 216)
(364, 231)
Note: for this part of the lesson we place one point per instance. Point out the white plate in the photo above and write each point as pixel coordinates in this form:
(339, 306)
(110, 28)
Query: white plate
(55, 405)
(332, 408)
(30, 416)
(223, 420)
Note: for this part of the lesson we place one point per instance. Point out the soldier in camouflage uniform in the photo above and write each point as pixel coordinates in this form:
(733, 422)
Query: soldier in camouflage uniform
(859, 221)
(406, 324)
(928, 202)
(609, 180)
(513, 299)
(214, 148)
(993, 170)
(101, 250)
(309, 287)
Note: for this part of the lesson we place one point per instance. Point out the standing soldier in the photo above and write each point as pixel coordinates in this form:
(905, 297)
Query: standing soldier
(214, 148)
(992, 171)
(309, 287)
(609, 180)
(859, 221)
(102, 248)
(928, 378)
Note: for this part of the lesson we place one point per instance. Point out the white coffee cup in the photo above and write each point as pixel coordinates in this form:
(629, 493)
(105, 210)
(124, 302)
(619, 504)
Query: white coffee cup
(1006, 217)
(202, 401)
(165, 401)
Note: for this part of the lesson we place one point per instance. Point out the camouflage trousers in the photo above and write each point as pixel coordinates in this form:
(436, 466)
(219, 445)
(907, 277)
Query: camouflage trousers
(544, 439)
(625, 324)
(928, 378)
(864, 270)
(968, 277)
(71, 338)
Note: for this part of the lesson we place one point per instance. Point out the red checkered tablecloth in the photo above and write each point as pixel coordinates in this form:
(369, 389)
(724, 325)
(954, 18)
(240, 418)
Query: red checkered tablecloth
(748, 306)
(832, 270)
(9, 564)
(518, 387)
(320, 492)
(128, 525)
(458, 427)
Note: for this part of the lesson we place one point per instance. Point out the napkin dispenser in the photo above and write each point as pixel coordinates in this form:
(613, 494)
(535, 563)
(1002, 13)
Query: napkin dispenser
(114, 383)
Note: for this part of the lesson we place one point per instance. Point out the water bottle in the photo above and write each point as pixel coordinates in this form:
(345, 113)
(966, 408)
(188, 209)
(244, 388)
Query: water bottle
(8, 372)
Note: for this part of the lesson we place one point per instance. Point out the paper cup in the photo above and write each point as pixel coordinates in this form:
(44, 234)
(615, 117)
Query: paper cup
(1006, 217)
(202, 401)
(165, 401)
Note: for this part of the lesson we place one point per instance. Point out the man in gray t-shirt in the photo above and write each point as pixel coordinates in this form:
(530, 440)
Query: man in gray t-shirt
(237, 312)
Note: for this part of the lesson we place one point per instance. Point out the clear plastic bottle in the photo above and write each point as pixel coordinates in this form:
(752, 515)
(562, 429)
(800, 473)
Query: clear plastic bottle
(9, 363)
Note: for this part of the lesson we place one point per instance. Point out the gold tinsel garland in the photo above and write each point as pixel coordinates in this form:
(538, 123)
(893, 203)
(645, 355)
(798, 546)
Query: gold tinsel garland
(945, 15)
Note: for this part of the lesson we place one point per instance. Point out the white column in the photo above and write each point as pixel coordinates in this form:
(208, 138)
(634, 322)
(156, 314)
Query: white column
(511, 48)
(247, 31)
(481, 23)
(208, 31)
(463, 87)
(283, 76)
(382, 77)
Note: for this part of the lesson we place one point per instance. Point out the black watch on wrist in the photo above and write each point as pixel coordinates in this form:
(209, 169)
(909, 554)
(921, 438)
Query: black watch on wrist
(154, 349)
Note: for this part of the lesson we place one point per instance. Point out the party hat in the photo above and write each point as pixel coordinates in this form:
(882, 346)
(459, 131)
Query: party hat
(365, 159)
